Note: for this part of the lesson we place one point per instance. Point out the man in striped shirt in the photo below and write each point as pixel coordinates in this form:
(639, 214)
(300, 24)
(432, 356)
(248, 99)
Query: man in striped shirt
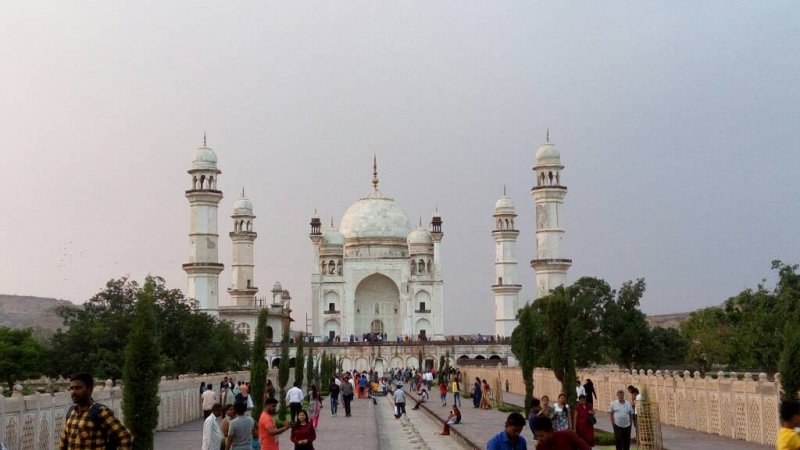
(90, 425)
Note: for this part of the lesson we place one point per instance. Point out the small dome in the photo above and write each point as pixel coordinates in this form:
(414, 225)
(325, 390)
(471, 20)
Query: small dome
(243, 206)
(504, 203)
(548, 154)
(332, 237)
(420, 236)
(204, 158)
(277, 287)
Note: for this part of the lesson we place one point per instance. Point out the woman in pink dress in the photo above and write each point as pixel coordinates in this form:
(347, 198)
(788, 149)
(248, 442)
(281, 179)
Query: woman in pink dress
(584, 413)
(316, 404)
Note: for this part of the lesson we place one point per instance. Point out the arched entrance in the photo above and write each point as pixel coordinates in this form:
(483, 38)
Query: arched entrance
(377, 304)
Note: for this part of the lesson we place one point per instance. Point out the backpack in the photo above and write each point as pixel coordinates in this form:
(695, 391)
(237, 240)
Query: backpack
(94, 416)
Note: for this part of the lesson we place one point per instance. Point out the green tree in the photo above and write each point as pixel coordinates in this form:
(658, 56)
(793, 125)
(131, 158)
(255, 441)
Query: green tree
(20, 355)
(668, 348)
(299, 361)
(625, 326)
(141, 372)
(283, 374)
(708, 333)
(310, 367)
(258, 365)
(589, 297)
(420, 360)
(788, 365)
(325, 373)
(528, 345)
(562, 330)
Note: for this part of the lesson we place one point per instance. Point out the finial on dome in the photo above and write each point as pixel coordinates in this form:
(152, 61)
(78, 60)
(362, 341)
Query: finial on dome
(375, 172)
(242, 191)
(420, 221)
(504, 190)
(547, 138)
(204, 138)
(331, 221)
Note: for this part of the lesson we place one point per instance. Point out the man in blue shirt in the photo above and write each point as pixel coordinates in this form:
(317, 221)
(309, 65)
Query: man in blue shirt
(511, 438)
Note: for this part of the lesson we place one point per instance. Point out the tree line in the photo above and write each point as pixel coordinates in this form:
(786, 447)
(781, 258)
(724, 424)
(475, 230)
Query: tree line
(590, 323)
(95, 337)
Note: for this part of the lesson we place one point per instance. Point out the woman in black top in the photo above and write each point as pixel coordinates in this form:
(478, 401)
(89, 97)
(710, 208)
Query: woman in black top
(591, 394)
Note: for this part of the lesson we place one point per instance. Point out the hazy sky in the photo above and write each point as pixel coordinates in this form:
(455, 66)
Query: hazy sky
(677, 123)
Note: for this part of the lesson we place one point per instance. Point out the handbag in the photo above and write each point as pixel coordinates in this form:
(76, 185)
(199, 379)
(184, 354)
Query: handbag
(592, 419)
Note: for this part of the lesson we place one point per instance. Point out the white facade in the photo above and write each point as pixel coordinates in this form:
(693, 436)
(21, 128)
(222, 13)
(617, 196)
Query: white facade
(204, 267)
(377, 275)
(548, 195)
(506, 286)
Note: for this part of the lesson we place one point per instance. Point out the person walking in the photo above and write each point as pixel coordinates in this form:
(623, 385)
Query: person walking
(209, 397)
(228, 415)
(511, 438)
(333, 391)
(562, 417)
(591, 393)
(399, 402)
(788, 439)
(347, 396)
(295, 400)
(487, 391)
(585, 420)
(621, 415)
(77, 434)
(267, 431)
(212, 433)
(443, 393)
(549, 439)
(303, 433)
(315, 401)
(476, 393)
(240, 430)
(455, 387)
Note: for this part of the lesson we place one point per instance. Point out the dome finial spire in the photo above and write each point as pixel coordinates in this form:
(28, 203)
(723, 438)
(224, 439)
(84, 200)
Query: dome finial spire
(375, 172)
(504, 190)
(547, 137)
(204, 138)
(331, 222)
(242, 191)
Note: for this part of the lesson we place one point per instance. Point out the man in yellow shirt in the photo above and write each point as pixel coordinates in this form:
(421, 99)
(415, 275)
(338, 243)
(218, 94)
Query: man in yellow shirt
(788, 439)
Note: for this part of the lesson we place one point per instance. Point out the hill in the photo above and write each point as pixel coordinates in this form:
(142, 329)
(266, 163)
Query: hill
(39, 313)
(668, 320)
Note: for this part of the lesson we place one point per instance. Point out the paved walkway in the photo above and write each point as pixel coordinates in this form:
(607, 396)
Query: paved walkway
(370, 427)
(675, 438)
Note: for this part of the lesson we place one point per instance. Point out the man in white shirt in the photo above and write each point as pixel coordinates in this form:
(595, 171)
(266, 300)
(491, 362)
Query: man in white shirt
(399, 402)
(579, 389)
(295, 400)
(212, 434)
(209, 397)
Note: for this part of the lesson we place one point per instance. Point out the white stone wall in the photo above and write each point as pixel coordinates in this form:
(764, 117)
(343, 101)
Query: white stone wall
(34, 422)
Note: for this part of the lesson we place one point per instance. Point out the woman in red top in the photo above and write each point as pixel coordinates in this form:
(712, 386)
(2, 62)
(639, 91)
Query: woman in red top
(583, 422)
(443, 392)
(303, 434)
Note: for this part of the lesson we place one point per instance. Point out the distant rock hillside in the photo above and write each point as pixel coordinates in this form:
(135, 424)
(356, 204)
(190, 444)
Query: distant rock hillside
(668, 320)
(39, 313)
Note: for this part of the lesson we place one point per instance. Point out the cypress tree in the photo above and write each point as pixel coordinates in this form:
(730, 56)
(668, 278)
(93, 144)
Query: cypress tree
(141, 370)
(258, 364)
(323, 372)
(420, 360)
(788, 366)
(283, 375)
(310, 366)
(299, 362)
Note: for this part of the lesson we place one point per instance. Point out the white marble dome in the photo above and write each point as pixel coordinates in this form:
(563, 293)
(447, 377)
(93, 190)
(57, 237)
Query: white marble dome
(243, 206)
(204, 158)
(548, 154)
(375, 216)
(332, 237)
(420, 236)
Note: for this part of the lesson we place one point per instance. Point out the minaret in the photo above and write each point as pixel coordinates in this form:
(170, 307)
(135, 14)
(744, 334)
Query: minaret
(506, 287)
(243, 292)
(548, 195)
(204, 267)
(437, 283)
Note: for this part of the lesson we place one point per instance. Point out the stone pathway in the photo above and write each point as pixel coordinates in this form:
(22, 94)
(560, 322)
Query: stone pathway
(370, 427)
